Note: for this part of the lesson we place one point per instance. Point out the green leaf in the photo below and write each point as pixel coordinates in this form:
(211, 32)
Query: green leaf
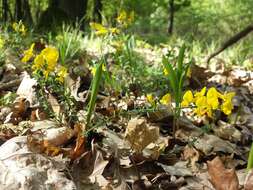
(250, 159)
(172, 76)
(94, 91)
(180, 62)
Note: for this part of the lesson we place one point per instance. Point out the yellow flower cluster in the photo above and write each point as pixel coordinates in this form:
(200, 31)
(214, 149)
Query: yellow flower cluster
(208, 101)
(19, 28)
(46, 61)
(125, 19)
(165, 100)
(101, 30)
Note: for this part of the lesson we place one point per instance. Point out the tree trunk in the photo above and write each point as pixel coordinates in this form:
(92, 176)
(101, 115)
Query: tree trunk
(97, 17)
(5, 10)
(171, 18)
(18, 10)
(27, 12)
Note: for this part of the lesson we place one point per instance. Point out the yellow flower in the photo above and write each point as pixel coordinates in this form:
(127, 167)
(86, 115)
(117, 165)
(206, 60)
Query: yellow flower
(227, 107)
(165, 72)
(189, 73)
(228, 96)
(200, 94)
(15, 27)
(122, 17)
(19, 27)
(2, 42)
(62, 74)
(38, 62)
(150, 99)
(114, 30)
(50, 55)
(99, 28)
(187, 98)
(201, 103)
(212, 98)
(46, 61)
(28, 54)
(94, 69)
(166, 99)
(22, 29)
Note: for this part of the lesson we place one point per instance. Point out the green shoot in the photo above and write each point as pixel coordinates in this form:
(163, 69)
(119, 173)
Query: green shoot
(250, 159)
(94, 91)
(177, 77)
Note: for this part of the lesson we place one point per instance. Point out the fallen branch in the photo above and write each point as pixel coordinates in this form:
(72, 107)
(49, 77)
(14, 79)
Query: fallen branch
(231, 41)
(11, 84)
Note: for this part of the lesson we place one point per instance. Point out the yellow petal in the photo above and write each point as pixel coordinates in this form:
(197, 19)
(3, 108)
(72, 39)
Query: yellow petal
(150, 98)
(166, 99)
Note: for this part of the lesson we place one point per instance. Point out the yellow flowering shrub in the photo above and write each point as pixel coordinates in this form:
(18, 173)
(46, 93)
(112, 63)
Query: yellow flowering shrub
(45, 62)
(205, 102)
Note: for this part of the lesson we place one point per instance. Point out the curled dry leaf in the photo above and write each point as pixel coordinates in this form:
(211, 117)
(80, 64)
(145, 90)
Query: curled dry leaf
(140, 135)
(26, 89)
(220, 177)
(19, 111)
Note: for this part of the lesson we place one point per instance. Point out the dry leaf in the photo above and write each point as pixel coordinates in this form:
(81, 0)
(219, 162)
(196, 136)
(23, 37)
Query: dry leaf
(19, 111)
(192, 155)
(227, 131)
(220, 177)
(248, 184)
(79, 147)
(26, 89)
(140, 135)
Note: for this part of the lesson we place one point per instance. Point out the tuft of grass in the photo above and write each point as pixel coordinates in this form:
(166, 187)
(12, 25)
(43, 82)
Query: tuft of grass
(68, 42)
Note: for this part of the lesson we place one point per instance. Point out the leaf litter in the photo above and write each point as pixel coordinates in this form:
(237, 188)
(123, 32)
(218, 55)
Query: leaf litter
(129, 150)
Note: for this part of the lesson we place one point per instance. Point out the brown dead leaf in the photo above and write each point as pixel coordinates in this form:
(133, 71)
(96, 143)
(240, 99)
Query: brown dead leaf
(227, 131)
(54, 105)
(19, 111)
(88, 169)
(140, 135)
(248, 184)
(42, 146)
(220, 177)
(79, 148)
(192, 155)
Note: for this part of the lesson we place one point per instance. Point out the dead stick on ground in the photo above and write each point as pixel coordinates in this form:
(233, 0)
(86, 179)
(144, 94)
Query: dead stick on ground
(8, 85)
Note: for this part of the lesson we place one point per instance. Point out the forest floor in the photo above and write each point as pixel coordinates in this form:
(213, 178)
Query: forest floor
(130, 144)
